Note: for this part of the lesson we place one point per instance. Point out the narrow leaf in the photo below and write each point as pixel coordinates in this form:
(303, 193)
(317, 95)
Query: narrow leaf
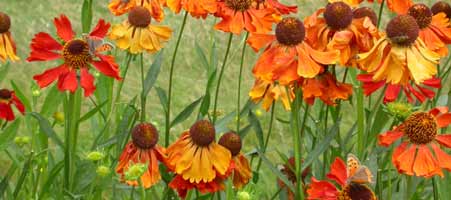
(182, 116)
(21, 96)
(152, 74)
(163, 98)
(45, 127)
(23, 175)
(52, 101)
(4, 71)
(86, 15)
(253, 120)
(92, 112)
(8, 135)
(276, 171)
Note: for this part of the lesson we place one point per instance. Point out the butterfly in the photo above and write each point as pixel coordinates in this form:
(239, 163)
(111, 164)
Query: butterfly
(97, 45)
(357, 173)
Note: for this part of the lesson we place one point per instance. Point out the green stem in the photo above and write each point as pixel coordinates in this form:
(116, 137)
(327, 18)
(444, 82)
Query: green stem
(265, 145)
(435, 189)
(171, 73)
(128, 59)
(72, 114)
(379, 18)
(238, 106)
(297, 134)
(221, 73)
(142, 189)
(143, 96)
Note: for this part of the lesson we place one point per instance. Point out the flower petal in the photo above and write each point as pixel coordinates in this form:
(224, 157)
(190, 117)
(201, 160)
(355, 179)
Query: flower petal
(101, 29)
(425, 164)
(87, 82)
(64, 28)
(6, 112)
(107, 66)
(443, 120)
(44, 79)
(404, 162)
(322, 190)
(444, 139)
(68, 81)
(387, 138)
(338, 171)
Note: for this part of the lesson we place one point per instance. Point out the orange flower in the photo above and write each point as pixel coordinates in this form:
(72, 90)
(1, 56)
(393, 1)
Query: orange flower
(7, 45)
(419, 134)
(340, 30)
(239, 15)
(142, 149)
(287, 57)
(420, 92)
(198, 161)
(398, 6)
(268, 92)
(435, 30)
(280, 9)
(7, 99)
(242, 172)
(120, 7)
(352, 3)
(441, 7)
(326, 88)
(137, 34)
(351, 177)
(400, 56)
(288, 169)
(197, 8)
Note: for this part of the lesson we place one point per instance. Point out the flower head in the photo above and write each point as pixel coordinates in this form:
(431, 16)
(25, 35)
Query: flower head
(77, 54)
(7, 45)
(399, 110)
(198, 161)
(155, 7)
(342, 30)
(7, 99)
(398, 6)
(196, 8)
(242, 172)
(103, 171)
(288, 169)
(400, 56)
(267, 92)
(137, 34)
(441, 6)
(435, 30)
(351, 177)
(287, 57)
(240, 15)
(419, 135)
(142, 150)
(325, 87)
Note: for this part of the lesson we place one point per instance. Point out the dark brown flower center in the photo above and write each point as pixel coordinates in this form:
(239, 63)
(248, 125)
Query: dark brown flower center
(76, 54)
(403, 30)
(422, 14)
(232, 142)
(365, 12)
(145, 136)
(356, 191)
(5, 22)
(238, 5)
(290, 31)
(338, 15)
(420, 128)
(139, 17)
(441, 6)
(202, 133)
(5, 94)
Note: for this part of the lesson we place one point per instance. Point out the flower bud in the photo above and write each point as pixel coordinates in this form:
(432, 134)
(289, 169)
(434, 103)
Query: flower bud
(103, 171)
(399, 109)
(59, 117)
(243, 195)
(135, 171)
(95, 156)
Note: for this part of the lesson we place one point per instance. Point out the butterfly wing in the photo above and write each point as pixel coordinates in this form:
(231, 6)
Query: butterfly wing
(352, 164)
(362, 175)
(106, 46)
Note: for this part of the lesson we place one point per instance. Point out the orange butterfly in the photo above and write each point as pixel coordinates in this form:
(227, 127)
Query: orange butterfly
(97, 45)
(357, 173)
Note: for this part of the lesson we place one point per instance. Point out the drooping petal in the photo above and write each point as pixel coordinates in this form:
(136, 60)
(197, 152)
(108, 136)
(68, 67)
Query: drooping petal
(107, 66)
(386, 139)
(64, 28)
(444, 139)
(68, 81)
(6, 112)
(425, 164)
(338, 171)
(87, 82)
(321, 190)
(404, 162)
(16, 101)
(443, 120)
(50, 75)
(101, 29)
(220, 157)
(443, 158)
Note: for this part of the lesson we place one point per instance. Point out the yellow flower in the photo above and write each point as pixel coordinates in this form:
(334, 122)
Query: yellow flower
(137, 34)
(7, 46)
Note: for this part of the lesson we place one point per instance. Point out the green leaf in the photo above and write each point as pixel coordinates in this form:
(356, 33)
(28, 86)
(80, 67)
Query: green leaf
(253, 120)
(276, 171)
(21, 96)
(92, 112)
(321, 147)
(201, 56)
(51, 179)
(4, 71)
(152, 74)
(163, 98)
(5, 181)
(182, 116)
(204, 106)
(8, 135)
(52, 101)
(46, 128)
(86, 15)
(23, 175)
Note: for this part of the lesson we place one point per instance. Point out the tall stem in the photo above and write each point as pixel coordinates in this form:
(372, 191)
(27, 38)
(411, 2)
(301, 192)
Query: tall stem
(171, 73)
(379, 19)
(128, 57)
(221, 73)
(297, 132)
(143, 96)
(238, 106)
(265, 145)
(72, 108)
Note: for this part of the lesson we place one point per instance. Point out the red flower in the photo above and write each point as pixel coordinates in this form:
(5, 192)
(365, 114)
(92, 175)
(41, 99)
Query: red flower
(392, 91)
(78, 55)
(8, 98)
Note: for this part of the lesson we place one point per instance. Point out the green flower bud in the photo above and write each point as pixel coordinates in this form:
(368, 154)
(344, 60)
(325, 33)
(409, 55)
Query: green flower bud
(258, 112)
(20, 141)
(135, 171)
(399, 109)
(95, 156)
(103, 171)
(59, 117)
(243, 195)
